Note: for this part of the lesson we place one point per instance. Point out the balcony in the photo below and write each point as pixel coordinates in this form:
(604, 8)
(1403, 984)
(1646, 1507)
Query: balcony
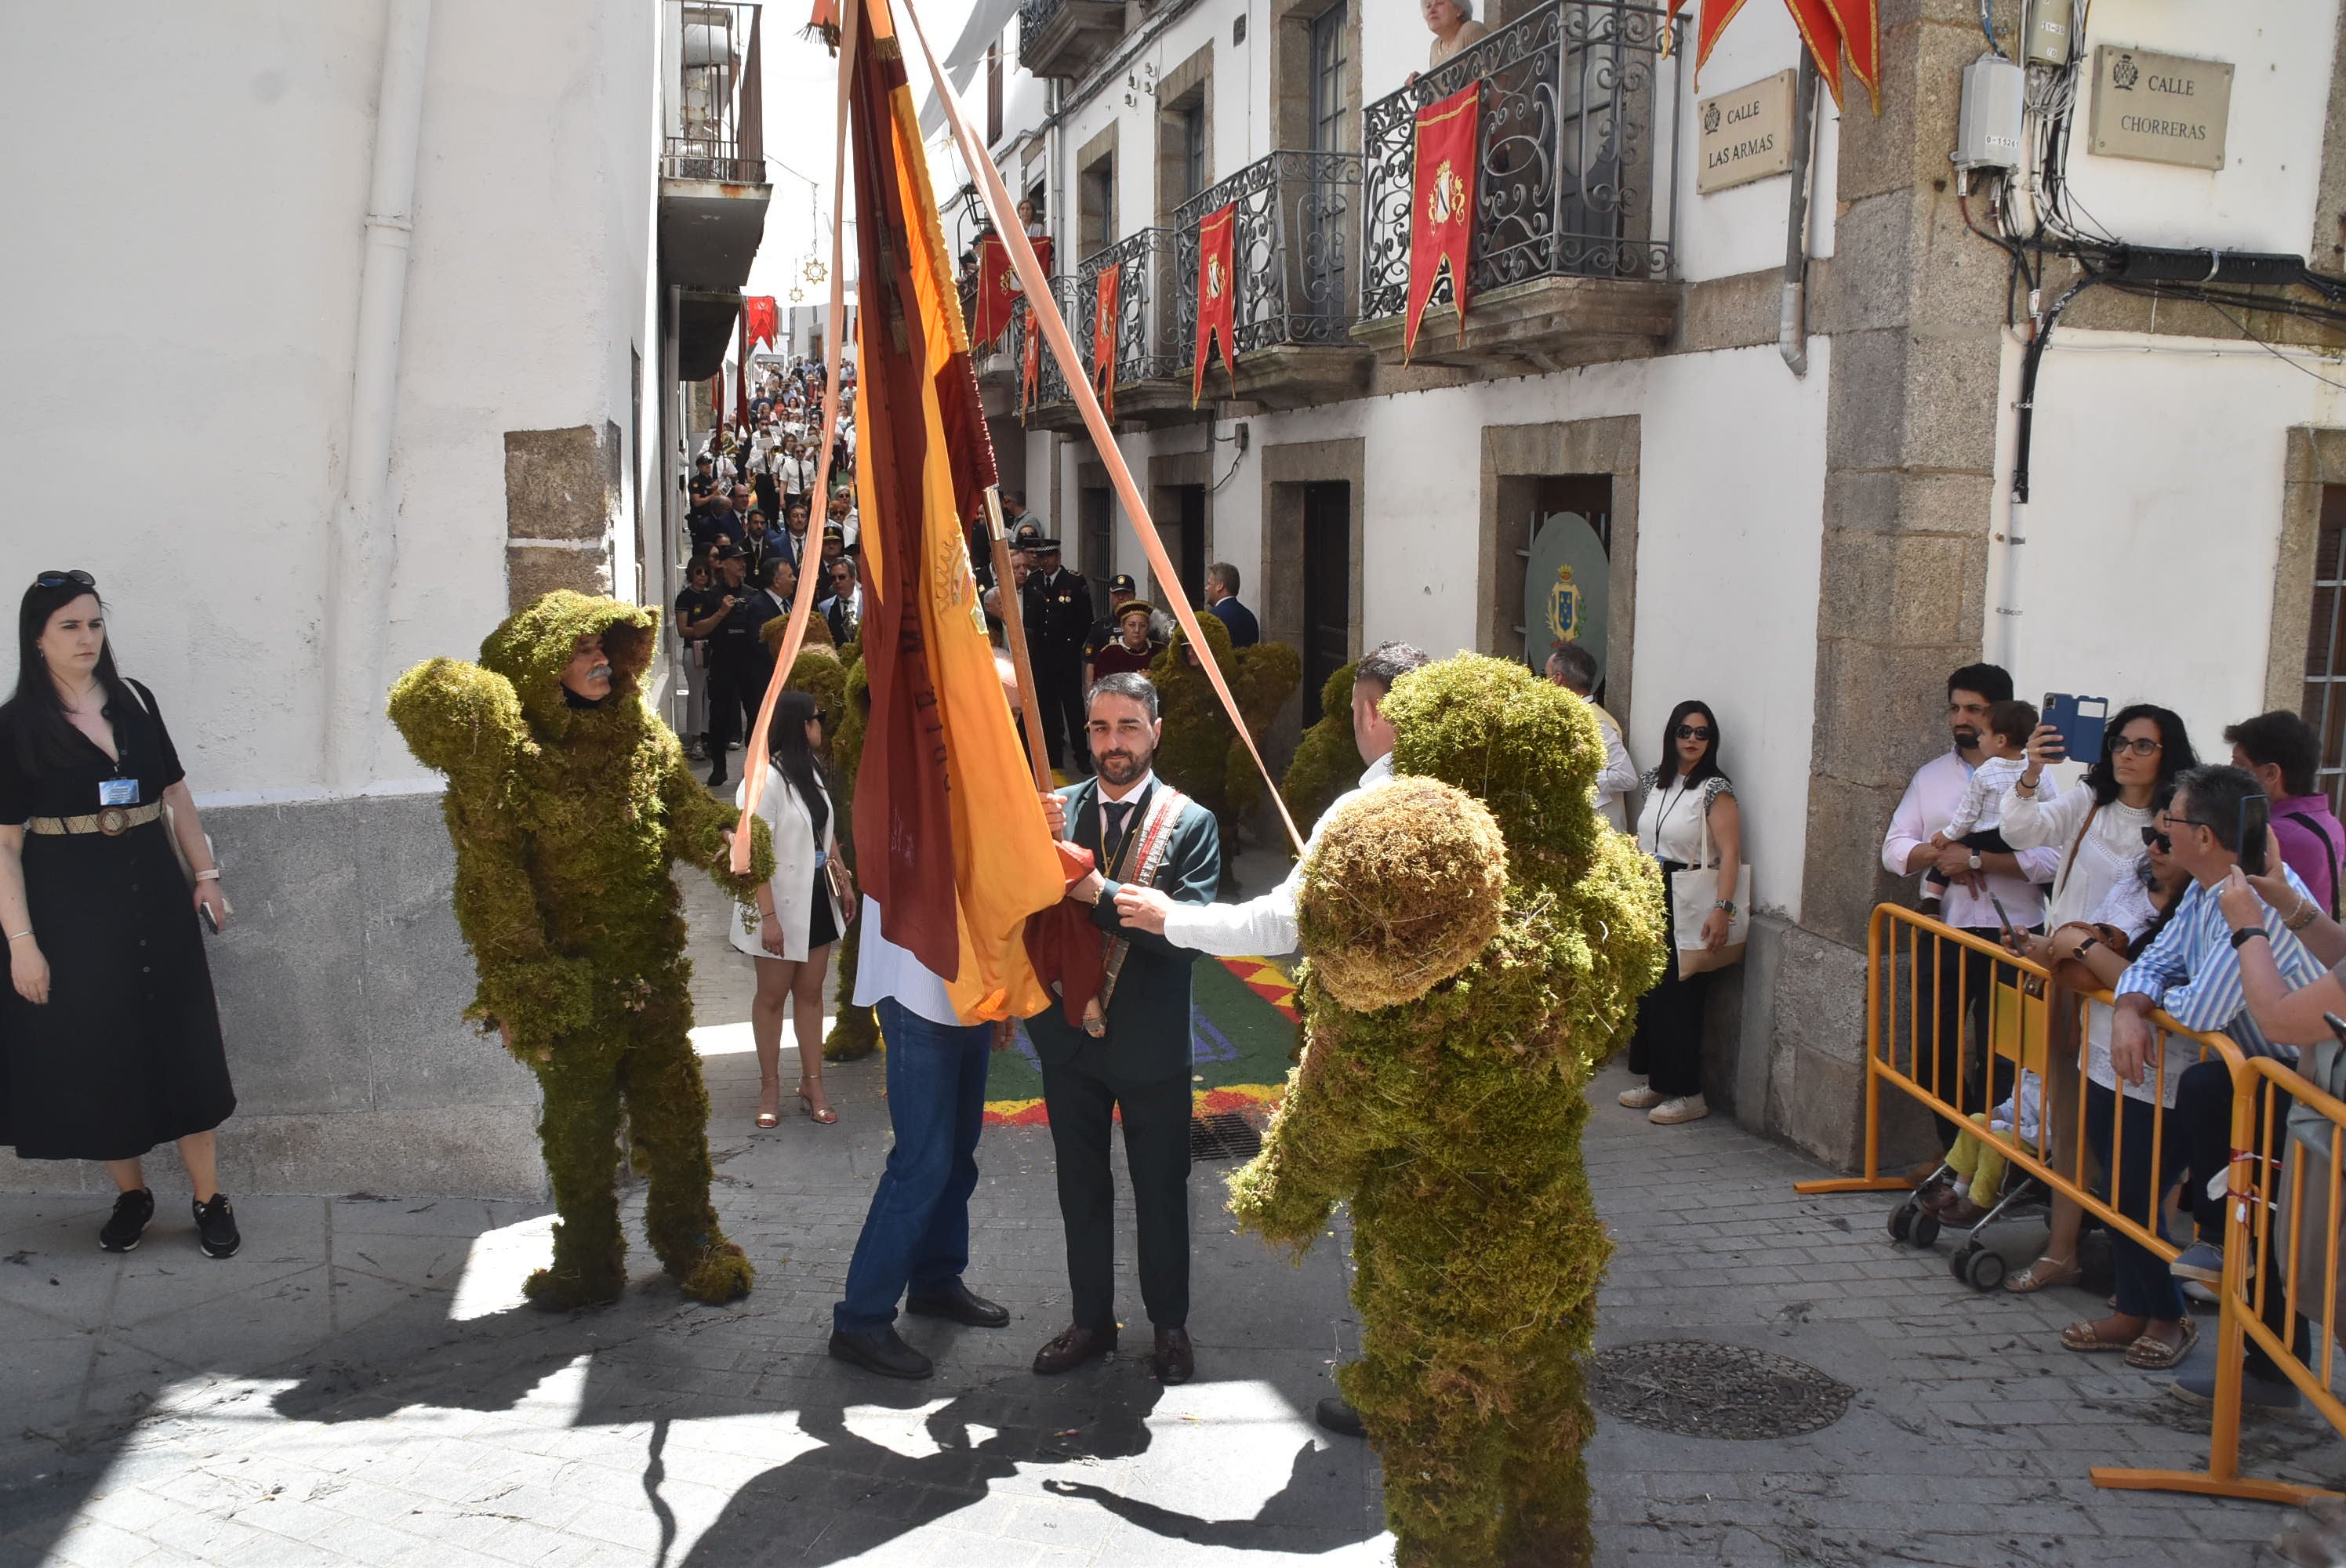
(713, 188)
(1294, 254)
(1066, 39)
(1151, 354)
(1054, 407)
(1568, 265)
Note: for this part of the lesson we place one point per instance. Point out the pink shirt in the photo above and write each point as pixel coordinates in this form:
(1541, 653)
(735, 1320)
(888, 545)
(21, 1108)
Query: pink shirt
(1929, 805)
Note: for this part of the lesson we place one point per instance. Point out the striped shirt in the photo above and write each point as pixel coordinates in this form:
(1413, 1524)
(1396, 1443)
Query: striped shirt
(2193, 970)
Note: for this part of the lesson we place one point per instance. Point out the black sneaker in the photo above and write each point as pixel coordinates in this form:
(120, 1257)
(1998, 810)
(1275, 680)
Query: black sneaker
(215, 1230)
(132, 1210)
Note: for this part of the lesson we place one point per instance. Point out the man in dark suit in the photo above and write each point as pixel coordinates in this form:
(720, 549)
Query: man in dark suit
(1058, 608)
(1136, 828)
(1222, 598)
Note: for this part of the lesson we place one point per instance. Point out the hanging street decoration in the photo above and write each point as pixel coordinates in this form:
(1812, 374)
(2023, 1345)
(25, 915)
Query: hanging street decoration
(1827, 27)
(1442, 205)
(1110, 286)
(1217, 302)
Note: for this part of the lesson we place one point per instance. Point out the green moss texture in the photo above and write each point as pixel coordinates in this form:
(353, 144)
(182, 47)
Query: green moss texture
(854, 1031)
(565, 822)
(1201, 754)
(1451, 1122)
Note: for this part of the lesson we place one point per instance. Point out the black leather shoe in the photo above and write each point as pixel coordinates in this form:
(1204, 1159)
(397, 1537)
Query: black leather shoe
(1071, 1348)
(960, 1304)
(880, 1350)
(1174, 1360)
(122, 1228)
(1336, 1413)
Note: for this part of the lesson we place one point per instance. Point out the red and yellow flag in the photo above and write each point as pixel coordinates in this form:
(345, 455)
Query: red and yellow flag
(997, 292)
(1820, 31)
(1030, 363)
(949, 833)
(1442, 205)
(1108, 286)
(1217, 297)
(1859, 22)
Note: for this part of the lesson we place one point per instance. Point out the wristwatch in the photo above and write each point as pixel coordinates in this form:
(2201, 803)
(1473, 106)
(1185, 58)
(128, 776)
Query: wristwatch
(1726, 906)
(1976, 861)
(2242, 937)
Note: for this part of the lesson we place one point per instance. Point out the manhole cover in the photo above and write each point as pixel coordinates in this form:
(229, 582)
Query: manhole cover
(1223, 1136)
(1698, 1389)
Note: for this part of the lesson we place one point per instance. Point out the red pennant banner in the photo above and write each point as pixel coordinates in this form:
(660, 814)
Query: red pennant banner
(760, 321)
(1710, 21)
(1860, 25)
(1442, 205)
(1104, 310)
(1217, 297)
(1030, 359)
(997, 294)
(1820, 30)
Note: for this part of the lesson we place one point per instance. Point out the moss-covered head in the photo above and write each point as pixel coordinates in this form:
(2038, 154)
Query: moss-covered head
(533, 644)
(1528, 750)
(1403, 890)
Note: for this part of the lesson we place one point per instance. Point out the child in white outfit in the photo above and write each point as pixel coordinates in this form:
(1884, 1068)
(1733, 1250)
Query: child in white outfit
(1978, 816)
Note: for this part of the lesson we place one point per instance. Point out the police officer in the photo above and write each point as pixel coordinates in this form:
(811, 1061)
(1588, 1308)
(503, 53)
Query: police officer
(733, 649)
(1059, 609)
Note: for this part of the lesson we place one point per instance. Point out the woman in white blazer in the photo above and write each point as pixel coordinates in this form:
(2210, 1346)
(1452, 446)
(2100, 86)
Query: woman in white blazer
(799, 914)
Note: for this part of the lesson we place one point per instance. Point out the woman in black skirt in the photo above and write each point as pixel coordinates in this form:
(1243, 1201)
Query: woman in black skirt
(109, 1039)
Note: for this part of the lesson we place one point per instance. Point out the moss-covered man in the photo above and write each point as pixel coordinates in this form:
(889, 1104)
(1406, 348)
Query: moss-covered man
(567, 801)
(1473, 937)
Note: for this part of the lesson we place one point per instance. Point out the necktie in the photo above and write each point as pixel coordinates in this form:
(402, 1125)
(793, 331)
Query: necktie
(1118, 811)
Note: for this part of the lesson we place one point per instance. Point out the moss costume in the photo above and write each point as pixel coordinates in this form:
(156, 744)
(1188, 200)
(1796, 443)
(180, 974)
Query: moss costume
(854, 1031)
(1201, 755)
(1327, 760)
(1450, 1029)
(566, 817)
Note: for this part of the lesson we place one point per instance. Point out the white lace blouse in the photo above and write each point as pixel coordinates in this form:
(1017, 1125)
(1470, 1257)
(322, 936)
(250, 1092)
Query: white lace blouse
(2105, 857)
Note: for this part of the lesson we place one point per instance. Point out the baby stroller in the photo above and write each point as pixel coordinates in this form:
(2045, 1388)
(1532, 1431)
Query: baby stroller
(2017, 1028)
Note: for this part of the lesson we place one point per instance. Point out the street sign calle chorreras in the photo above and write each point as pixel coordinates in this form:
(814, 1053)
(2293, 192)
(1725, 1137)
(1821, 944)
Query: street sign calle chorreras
(2163, 108)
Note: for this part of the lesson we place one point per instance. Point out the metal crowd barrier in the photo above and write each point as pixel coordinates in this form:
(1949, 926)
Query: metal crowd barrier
(2292, 1157)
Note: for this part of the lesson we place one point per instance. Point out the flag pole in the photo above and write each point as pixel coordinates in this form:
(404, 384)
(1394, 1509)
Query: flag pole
(998, 207)
(1013, 628)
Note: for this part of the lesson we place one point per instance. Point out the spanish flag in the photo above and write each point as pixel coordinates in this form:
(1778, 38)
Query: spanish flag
(949, 838)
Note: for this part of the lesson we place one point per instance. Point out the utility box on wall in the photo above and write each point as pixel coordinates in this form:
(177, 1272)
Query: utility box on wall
(1987, 135)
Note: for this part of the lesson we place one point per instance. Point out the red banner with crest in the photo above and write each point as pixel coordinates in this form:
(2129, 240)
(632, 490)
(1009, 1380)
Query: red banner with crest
(1110, 287)
(997, 294)
(1030, 358)
(1217, 297)
(1442, 205)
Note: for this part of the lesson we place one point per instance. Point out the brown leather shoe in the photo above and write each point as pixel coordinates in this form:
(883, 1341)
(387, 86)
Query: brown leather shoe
(1174, 1360)
(1071, 1348)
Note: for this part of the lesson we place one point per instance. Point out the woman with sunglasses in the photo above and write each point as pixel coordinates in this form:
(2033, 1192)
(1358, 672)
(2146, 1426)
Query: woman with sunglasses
(2099, 831)
(1688, 799)
(109, 1038)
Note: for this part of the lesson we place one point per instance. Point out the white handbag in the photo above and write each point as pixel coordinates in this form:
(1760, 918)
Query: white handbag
(1693, 893)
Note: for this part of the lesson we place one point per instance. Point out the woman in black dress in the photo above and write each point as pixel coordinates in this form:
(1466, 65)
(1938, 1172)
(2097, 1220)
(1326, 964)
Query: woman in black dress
(109, 1039)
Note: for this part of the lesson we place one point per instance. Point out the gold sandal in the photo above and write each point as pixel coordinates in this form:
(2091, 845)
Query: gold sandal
(2152, 1354)
(825, 1115)
(2043, 1273)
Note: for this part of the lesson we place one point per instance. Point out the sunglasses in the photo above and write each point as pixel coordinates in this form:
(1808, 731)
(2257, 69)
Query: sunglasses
(2154, 839)
(59, 579)
(2140, 744)
(1694, 732)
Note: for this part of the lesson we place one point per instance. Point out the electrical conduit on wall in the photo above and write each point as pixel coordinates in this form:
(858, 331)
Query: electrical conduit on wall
(361, 536)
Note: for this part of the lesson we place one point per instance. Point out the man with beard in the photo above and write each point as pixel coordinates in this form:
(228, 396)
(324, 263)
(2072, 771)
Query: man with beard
(1956, 980)
(1143, 833)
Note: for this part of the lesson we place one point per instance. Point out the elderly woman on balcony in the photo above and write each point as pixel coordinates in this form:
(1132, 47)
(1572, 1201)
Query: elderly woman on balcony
(1453, 27)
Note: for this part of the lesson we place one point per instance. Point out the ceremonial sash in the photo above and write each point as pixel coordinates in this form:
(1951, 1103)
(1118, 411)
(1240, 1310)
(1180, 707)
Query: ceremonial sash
(1144, 850)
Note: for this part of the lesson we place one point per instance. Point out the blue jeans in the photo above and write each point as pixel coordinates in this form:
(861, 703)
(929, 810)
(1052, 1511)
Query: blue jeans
(2144, 1171)
(917, 1233)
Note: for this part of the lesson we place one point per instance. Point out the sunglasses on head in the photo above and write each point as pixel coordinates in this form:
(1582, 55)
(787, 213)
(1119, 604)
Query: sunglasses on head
(1694, 732)
(59, 579)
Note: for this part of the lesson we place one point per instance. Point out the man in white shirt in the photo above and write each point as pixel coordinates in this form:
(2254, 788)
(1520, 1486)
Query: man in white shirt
(1573, 668)
(1959, 981)
(1265, 926)
(915, 1240)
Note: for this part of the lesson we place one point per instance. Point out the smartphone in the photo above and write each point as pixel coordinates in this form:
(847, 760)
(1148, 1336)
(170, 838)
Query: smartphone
(2337, 1026)
(2255, 815)
(2080, 720)
(211, 920)
(2001, 919)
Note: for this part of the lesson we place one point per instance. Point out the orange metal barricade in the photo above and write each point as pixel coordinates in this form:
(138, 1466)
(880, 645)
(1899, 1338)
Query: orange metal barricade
(2274, 1156)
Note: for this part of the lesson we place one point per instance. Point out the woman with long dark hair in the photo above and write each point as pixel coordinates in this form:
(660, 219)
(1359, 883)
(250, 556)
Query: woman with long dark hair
(1689, 805)
(109, 1037)
(2099, 830)
(801, 912)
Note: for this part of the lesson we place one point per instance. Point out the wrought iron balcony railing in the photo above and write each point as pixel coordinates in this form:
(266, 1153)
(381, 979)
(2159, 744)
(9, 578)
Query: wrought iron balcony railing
(1050, 385)
(1034, 16)
(1293, 251)
(1147, 342)
(703, 157)
(1565, 153)
(719, 105)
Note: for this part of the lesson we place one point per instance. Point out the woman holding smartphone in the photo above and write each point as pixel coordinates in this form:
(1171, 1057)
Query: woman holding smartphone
(2099, 831)
(109, 1037)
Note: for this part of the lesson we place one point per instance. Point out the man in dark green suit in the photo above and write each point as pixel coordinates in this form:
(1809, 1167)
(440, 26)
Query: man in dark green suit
(1135, 827)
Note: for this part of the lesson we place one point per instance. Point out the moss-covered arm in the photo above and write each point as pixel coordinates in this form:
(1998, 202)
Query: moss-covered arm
(698, 825)
(1318, 1149)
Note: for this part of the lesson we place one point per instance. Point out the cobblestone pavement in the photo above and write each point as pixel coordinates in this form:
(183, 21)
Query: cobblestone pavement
(359, 1386)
